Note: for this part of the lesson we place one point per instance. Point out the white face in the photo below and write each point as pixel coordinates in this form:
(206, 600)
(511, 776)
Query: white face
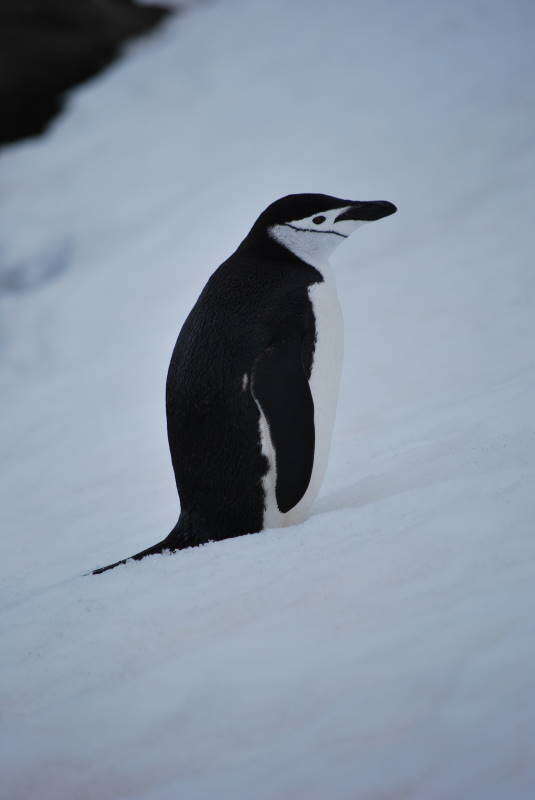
(314, 238)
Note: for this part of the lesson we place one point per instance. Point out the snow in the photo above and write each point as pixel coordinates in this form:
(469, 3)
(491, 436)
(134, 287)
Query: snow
(384, 648)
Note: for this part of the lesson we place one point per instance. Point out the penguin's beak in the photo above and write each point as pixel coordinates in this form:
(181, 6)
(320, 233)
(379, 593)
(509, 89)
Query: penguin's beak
(368, 212)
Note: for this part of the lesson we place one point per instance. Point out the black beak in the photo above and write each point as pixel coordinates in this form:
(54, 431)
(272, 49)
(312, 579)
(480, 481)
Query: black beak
(368, 212)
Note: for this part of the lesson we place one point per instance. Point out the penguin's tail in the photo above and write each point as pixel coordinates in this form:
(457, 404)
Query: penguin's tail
(173, 541)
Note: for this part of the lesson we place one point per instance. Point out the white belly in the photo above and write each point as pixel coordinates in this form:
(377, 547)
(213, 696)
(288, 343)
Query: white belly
(324, 385)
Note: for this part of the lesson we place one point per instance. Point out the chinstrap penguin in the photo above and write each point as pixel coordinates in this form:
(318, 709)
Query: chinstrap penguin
(253, 380)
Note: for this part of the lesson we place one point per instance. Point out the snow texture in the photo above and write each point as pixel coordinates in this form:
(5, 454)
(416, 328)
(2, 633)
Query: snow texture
(384, 649)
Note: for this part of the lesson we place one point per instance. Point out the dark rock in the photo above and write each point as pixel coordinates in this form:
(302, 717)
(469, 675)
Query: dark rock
(49, 46)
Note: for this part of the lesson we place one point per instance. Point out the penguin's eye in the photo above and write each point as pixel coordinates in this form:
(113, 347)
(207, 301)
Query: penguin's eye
(318, 220)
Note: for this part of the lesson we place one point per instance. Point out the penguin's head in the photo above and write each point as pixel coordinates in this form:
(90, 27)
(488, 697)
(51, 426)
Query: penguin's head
(312, 225)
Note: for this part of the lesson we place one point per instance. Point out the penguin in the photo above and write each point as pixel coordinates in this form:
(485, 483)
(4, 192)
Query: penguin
(253, 381)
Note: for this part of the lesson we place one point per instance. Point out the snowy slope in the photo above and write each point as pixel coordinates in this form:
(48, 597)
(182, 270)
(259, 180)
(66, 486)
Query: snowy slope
(384, 649)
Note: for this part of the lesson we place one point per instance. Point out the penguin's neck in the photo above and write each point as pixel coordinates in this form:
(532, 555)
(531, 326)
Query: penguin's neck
(311, 247)
(265, 246)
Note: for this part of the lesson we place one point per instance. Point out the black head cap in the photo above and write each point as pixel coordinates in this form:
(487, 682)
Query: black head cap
(299, 206)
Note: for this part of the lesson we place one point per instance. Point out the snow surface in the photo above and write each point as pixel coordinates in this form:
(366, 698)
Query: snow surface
(383, 649)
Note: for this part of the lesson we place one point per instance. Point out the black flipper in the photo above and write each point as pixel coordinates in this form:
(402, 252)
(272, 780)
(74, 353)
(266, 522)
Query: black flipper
(281, 388)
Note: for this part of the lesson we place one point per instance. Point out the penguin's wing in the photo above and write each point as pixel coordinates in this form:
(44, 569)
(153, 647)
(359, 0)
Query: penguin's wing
(280, 387)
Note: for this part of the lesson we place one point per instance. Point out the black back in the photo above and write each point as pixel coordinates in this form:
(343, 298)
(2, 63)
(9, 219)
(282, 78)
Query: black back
(253, 318)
